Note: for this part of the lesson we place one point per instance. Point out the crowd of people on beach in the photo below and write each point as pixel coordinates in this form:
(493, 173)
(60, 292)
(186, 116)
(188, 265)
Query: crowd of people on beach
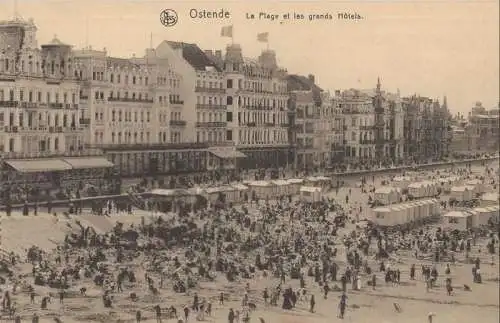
(297, 250)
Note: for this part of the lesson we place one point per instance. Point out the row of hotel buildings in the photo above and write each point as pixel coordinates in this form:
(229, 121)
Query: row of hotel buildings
(181, 109)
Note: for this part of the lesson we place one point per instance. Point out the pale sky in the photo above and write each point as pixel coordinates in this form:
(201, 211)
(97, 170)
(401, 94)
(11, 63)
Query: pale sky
(432, 48)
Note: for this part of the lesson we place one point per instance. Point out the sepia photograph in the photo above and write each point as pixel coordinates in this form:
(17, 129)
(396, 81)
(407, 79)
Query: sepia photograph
(249, 161)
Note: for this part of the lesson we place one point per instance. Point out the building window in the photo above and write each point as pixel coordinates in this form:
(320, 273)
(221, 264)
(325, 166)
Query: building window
(229, 135)
(229, 84)
(112, 78)
(229, 116)
(229, 100)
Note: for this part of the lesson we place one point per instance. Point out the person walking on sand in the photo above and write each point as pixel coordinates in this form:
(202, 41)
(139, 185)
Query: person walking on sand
(430, 317)
(230, 316)
(138, 316)
(312, 303)
(342, 305)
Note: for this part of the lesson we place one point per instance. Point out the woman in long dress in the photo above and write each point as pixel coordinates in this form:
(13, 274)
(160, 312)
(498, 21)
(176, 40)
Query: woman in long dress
(358, 283)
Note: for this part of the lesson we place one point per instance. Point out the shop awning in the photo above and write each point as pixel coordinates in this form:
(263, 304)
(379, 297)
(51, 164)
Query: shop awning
(227, 153)
(38, 165)
(88, 162)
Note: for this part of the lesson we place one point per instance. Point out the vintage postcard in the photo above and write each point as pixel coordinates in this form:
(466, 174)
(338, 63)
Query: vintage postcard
(249, 161)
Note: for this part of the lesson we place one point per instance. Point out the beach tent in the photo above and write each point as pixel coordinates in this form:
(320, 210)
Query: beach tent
(494, 212)
(416, 190)
(294, 185)
(461, 193)
(310, 194)
(263, 189)
(480, 216)
(387, 195)
(401, 181)
(282, 187)
(458, 220)
(435, 207)
(383, 216)
(398, 214)
(478, 185)
(489, 199)
(242, 191)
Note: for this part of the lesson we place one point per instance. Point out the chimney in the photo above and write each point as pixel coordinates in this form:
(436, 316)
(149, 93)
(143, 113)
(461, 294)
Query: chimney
(218, 54)
(311, 78)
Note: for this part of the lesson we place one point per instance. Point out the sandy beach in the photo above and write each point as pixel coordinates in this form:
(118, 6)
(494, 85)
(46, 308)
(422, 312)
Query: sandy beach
(366, 305)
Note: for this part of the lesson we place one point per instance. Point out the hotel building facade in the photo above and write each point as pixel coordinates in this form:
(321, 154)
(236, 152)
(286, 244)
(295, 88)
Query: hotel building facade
(41, 139)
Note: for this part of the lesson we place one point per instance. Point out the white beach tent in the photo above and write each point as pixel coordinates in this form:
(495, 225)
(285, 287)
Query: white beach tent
(382, 216)
(294, 185)
(263, 189)
(459, 220)
(401, 181)
(489, 199)
(282, 187)
(387, 195)
(416, 190)
(310, 194)
(480, 216)
(477, 184)
(242, 190)
(494, 212)
(461, 193)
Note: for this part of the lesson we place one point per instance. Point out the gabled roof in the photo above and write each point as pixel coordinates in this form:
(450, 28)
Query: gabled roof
(302, 83)
(194, 55)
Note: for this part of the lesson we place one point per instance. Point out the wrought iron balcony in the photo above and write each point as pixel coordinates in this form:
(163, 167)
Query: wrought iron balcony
(180, 123)
(209, 89)
(217, 124)
(130, 100)
(9, 104)
(176, 102)
(84, 121)
(146, 146)
(210, 106)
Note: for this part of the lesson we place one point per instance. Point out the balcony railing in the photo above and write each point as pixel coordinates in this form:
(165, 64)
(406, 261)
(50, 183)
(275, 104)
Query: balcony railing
(176, 102)
(145, 146)
(9, 104)
(84, 121)
(180, 123)
(210, 106)
(28, 105)
(269, 124)
(220, 143)
(366, 127)
(56, 105)
(130, 100)
(217, 124)
(209, 89)
(367, 142)
(84, 97)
